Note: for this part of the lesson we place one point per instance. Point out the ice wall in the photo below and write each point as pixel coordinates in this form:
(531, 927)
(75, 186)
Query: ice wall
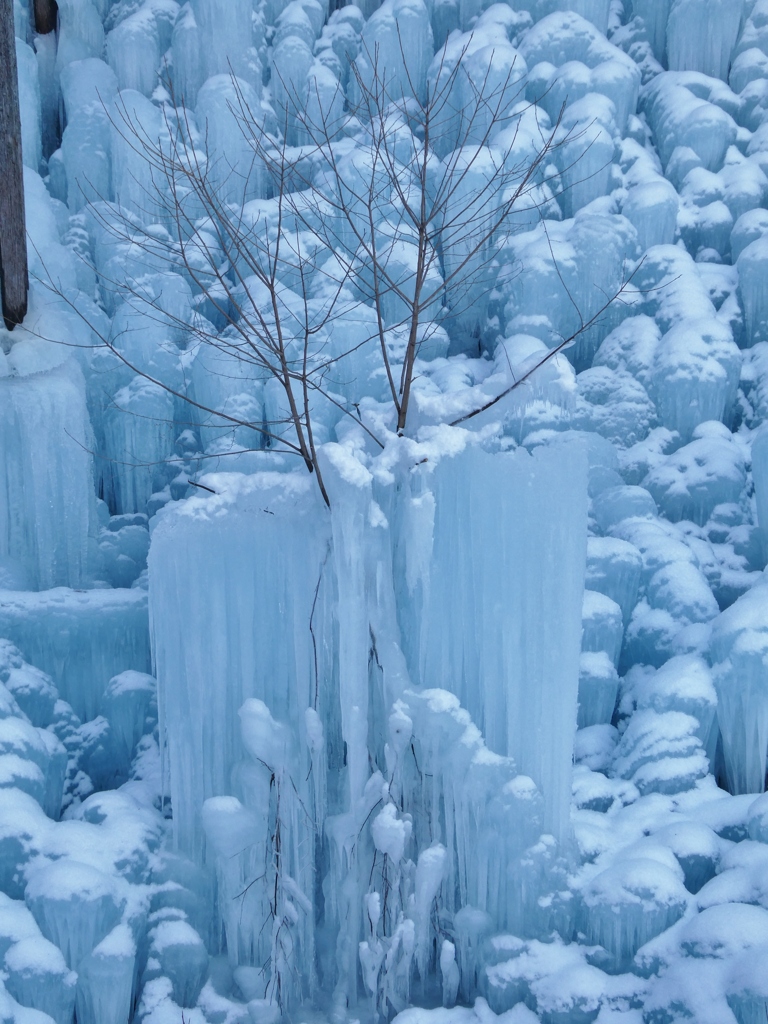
(511, 655)
(47, 512)
(701, 35)
(138, 435)
(233, 585)
(82, 638)
(501, 603)
(284, 698)
(737, 654)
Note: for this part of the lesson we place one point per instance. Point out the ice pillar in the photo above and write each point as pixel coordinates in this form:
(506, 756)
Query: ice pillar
(233, 584)
(47, 503)
(501, 615)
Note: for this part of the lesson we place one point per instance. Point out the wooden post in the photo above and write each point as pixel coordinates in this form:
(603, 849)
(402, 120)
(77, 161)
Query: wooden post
(46, 12)
(14, 279)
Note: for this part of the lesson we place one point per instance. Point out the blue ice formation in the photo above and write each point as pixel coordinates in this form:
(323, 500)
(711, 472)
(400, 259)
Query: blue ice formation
(487, 736)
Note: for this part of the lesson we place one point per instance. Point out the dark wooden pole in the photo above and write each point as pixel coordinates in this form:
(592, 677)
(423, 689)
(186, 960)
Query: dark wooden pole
(45, 16)
(14, 279)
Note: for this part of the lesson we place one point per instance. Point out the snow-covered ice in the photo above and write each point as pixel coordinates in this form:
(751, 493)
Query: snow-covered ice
(485, 736)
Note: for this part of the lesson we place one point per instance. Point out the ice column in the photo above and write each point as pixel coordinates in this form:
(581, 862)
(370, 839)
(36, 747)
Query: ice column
(655, 14)
(139, 433)
(265, 850)
(501, 619)
(29, 104)
(46, 489)
(105, 982)
(133, 50)
(226, 34)
(701, 35)
(475, 804)
(351, 498)
(470, 214)
(136, 130)
(233, 585)
(760, 477)
(186, 65)
(397, 38)
(222, 106)
(738, 652)
(80, 637)
(88, 86)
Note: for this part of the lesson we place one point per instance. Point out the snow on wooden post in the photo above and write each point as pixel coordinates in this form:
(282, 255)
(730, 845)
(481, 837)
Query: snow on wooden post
(13, 236)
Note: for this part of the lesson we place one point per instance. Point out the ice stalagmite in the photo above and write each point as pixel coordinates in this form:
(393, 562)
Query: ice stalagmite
(88, 86)
(264, 852)
(126, 705)
(136, 129)
(133, 50)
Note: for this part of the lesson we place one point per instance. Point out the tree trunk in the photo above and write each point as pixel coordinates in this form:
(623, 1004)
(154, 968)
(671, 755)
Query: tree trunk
(13, 234)
(45, 16)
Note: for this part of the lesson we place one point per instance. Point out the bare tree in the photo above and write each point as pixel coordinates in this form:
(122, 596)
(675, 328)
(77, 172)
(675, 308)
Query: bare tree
(14, 280)
(448, 215)
(385, 209)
